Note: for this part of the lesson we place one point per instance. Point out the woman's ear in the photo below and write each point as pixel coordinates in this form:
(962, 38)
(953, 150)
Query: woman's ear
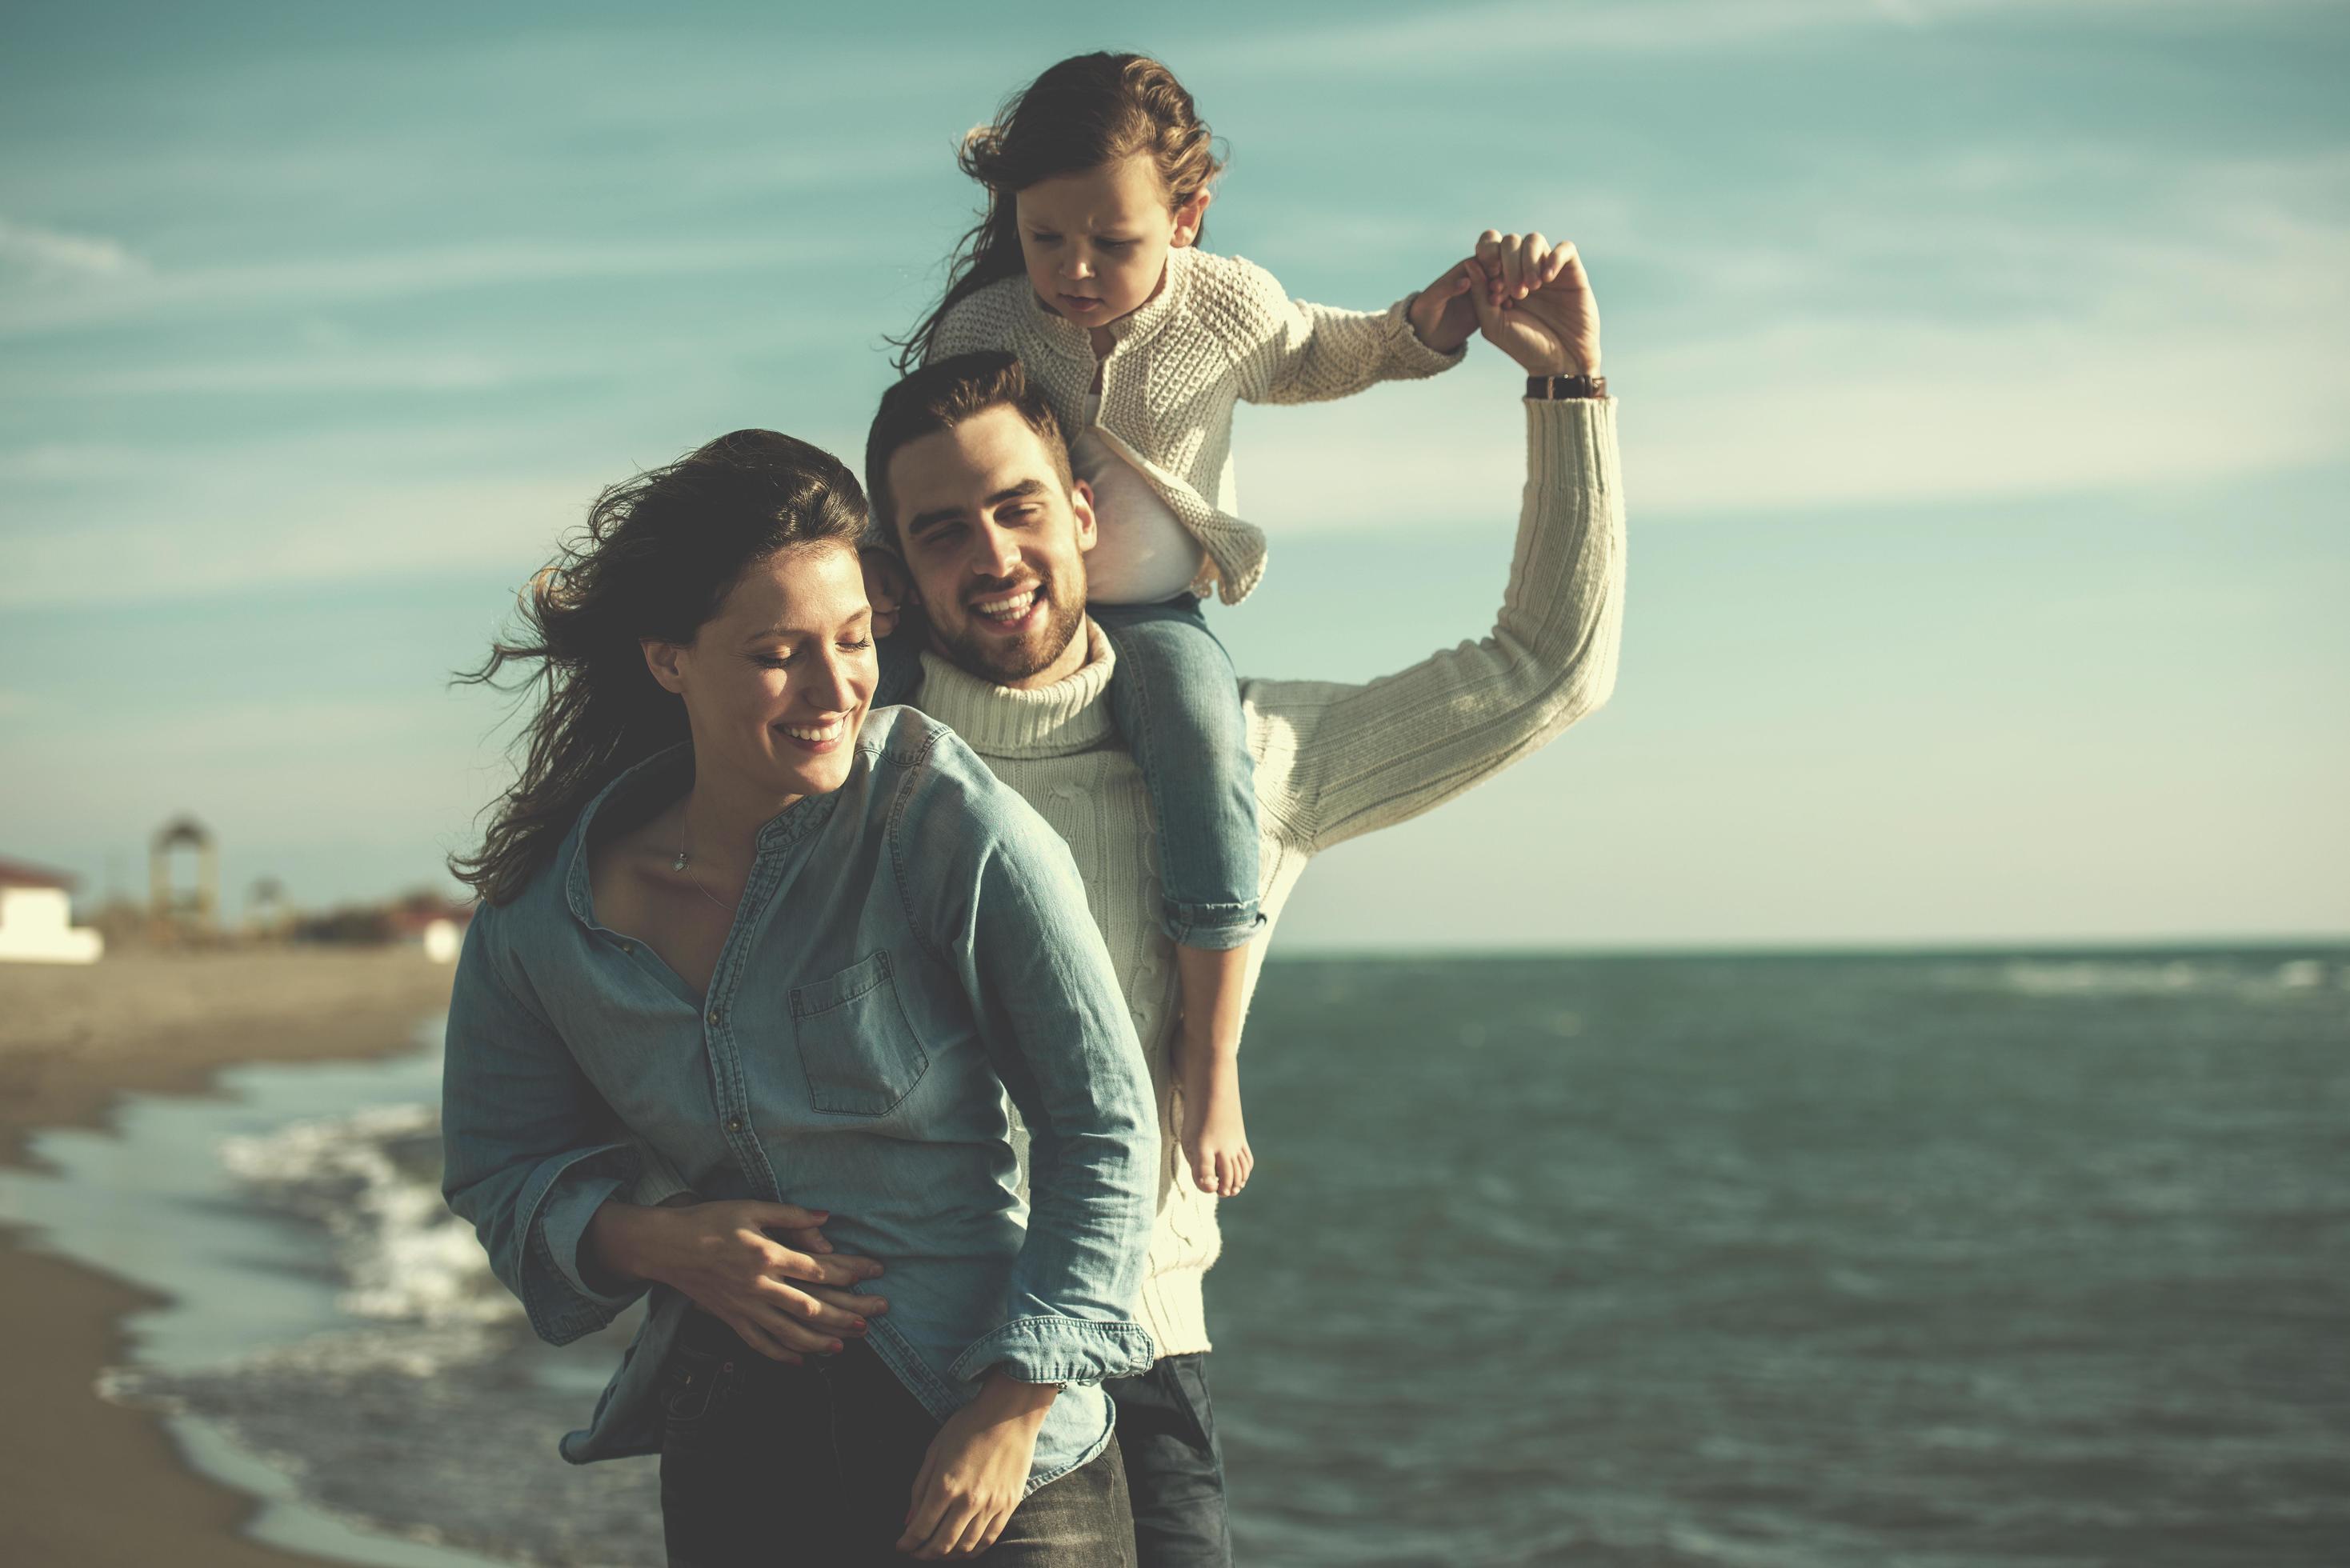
(1188, 217)
(666, 661)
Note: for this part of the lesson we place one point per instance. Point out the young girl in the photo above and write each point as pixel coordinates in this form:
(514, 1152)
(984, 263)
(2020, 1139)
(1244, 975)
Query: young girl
(1085, 266)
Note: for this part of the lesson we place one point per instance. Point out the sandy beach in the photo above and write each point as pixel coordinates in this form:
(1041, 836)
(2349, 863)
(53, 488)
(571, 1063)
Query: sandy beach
(90, 1483)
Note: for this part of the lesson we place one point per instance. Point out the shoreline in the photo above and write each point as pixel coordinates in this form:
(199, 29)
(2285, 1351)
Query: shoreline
(96, 1482)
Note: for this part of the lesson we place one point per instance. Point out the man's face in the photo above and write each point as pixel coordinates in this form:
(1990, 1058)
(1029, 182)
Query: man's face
(995, 546)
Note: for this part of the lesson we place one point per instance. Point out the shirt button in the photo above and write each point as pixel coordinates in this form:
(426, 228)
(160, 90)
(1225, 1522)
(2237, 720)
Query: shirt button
(717, 1016)
(734, 1124)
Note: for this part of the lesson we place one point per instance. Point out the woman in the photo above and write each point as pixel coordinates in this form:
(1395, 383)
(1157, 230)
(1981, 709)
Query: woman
(796, 949)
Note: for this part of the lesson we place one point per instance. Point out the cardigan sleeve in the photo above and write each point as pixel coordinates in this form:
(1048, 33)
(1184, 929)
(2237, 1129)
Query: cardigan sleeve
(1339, 760)
(1295, 352)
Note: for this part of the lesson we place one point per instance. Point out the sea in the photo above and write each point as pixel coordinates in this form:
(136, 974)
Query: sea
(1888, 1261)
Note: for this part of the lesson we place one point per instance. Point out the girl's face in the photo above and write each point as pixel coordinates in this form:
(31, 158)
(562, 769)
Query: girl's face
(776, 684)
(1097, 241)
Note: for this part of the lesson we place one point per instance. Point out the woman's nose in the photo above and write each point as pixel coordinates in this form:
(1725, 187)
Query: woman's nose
(833, 686)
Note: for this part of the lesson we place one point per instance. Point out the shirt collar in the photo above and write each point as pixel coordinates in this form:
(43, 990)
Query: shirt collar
(664, 775)
(1066, 717)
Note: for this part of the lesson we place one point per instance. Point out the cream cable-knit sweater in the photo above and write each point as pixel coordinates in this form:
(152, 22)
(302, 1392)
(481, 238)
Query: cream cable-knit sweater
(1219, 331)
(1332, 760)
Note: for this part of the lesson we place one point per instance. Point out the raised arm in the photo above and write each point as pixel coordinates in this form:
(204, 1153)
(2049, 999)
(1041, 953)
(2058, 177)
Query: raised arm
(1312, 353)
(530, 1149)
(1339, 760)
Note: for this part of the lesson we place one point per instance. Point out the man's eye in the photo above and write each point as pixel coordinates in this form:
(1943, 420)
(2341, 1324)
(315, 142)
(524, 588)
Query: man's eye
(772, 661)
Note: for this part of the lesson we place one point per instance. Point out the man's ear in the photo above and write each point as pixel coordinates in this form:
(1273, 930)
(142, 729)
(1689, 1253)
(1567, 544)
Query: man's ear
(666, 661)
(1188, 217)
(1081, 507)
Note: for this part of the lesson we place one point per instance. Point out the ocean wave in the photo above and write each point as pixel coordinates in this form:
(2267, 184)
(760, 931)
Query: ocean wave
(2250, 981)
(373, 1179)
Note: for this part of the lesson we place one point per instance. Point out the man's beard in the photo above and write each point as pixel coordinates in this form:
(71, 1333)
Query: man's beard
(971, 649)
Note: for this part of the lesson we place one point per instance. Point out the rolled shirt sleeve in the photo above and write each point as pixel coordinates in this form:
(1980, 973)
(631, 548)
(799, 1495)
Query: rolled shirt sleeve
(1045, 993)
(530, 1150)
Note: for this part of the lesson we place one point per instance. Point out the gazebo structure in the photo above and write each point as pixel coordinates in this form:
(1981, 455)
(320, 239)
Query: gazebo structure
(193, 913)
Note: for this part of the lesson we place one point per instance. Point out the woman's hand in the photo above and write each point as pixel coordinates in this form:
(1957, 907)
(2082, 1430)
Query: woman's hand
(976, 1471)
(1534, 303)
(720, 1256)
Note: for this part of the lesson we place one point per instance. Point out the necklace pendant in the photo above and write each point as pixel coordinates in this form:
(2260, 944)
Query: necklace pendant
(679, 864)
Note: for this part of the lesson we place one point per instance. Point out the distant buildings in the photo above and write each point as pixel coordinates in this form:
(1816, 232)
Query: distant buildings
(37, 919)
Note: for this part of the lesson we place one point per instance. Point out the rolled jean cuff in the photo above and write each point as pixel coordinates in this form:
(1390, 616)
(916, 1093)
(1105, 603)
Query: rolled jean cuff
(1218, 927)
(1059, 1350)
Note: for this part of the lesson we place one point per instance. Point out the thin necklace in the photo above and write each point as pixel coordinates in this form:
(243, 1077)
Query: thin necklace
(678, 865)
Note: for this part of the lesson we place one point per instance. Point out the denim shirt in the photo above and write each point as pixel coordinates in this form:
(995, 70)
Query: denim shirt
(907, 949)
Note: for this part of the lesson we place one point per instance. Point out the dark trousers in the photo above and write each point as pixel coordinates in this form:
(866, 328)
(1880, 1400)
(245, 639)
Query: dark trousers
(1174, 1465)
(780, 1465)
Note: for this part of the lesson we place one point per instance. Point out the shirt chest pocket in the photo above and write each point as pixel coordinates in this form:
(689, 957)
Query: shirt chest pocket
(861, 1055)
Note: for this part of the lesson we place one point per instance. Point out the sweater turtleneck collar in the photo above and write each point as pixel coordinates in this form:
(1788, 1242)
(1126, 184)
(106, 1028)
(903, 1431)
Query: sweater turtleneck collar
(1067, 338)
(1000, 722)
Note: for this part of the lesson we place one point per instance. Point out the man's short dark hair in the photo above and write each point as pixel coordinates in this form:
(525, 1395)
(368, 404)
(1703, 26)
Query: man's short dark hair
(941, 395)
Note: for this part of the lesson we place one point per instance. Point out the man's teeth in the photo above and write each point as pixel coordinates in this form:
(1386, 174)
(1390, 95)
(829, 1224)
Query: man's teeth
(815, 731)
(1010, 607)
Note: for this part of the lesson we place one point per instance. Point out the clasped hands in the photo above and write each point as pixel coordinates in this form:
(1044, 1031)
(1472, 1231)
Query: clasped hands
(1529, 297)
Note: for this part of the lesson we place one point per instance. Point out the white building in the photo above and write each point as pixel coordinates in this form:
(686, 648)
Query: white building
(37, 919)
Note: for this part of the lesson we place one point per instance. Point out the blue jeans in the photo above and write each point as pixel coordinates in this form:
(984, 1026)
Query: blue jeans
(1177, 704)
(1174, 1465)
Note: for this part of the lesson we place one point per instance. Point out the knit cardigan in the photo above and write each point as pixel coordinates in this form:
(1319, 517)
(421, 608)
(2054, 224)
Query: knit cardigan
(1219, 331)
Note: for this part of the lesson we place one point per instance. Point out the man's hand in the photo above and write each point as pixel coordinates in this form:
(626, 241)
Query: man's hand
(976, 1471)
(723, 1260)
(885, 586)
(1534, 303)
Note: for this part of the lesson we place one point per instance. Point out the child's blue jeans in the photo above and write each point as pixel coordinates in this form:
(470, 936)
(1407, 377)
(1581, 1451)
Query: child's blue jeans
(1177, 704)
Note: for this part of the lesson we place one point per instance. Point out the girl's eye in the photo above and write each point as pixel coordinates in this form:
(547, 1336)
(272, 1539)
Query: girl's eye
(1114, 244)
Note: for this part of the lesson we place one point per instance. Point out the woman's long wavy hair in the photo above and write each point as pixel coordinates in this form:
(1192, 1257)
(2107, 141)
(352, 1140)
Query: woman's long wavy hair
(1087, 110)
(656, 560)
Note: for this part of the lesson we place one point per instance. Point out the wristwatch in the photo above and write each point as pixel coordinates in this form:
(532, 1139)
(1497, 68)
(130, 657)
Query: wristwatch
(1559, 386)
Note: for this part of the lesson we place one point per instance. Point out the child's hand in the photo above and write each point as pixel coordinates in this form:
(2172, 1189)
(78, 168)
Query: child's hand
(885, 586)
(1444, 313)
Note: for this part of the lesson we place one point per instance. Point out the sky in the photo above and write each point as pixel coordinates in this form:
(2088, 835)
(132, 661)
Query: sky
(1981, 369)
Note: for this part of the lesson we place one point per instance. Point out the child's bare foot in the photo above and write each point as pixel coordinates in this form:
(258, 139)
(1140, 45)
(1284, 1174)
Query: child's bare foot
(1215, 1143)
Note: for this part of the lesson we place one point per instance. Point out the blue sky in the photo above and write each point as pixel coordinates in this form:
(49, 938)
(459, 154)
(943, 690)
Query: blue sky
(1983, 410)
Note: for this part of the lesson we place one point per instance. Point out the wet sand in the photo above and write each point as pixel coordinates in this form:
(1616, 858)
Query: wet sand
(90, 1483)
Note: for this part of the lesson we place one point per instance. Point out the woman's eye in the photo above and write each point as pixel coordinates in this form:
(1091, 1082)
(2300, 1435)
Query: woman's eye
(1043, 239)
(859, 646)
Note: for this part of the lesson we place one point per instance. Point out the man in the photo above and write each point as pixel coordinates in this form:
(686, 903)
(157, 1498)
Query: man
(970, 483)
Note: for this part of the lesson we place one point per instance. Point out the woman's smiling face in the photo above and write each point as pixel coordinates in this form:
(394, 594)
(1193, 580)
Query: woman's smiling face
(778, 683)
(1096, 242)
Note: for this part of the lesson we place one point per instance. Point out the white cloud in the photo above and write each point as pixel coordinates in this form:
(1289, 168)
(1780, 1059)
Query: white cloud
(1959, 351)
(1520, 27)
(313, 280)
(46, 255)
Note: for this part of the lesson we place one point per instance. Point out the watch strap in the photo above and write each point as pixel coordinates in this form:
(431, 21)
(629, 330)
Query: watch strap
(1559, 386)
